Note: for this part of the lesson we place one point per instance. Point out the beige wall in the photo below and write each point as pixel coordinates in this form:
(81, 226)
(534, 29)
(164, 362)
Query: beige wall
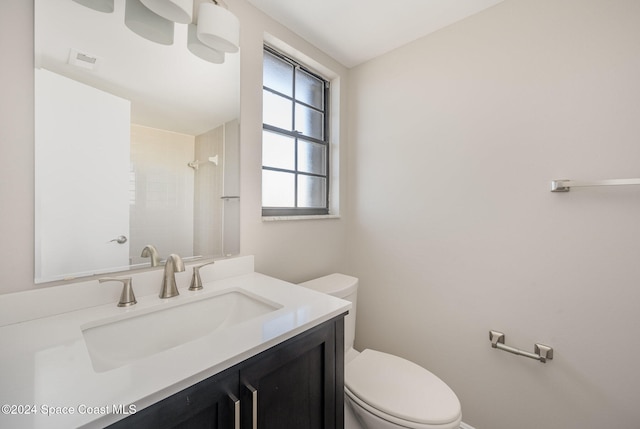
(290, 250)
(454, 140)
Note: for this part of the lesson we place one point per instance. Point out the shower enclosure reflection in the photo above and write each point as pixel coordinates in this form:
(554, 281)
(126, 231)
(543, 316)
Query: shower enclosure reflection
(175, 206)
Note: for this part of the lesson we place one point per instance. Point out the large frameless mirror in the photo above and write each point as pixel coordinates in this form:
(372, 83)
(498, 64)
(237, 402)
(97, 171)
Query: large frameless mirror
(136, 142)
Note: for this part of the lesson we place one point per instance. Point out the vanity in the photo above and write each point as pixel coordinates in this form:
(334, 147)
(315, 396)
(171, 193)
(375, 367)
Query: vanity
(246, 351)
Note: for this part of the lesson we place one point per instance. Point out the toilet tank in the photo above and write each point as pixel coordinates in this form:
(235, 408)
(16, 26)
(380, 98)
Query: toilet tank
(344, 287)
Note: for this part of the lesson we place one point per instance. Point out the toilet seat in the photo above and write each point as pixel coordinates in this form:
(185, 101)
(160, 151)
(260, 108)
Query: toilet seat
(401, 392)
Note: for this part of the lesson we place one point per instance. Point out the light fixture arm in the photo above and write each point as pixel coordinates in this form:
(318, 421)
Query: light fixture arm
(220, 3)
(197, 3)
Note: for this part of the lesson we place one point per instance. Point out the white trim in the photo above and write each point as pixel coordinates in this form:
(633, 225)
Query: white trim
(463, 425)
(309, 217)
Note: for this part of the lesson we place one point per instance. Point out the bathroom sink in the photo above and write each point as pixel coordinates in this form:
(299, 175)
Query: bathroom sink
(114, 343)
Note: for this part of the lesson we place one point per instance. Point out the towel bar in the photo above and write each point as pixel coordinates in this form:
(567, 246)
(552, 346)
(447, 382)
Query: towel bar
(541, 352)
(566, 185)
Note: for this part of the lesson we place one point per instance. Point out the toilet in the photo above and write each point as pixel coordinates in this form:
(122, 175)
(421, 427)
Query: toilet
(383, 391)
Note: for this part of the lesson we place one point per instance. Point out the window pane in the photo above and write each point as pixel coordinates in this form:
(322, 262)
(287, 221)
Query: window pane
(311, 191)
(276, 110)
(278, 74)
(309, 122)
(278, 151)
(295, 149)
(312, 157)
(309, 89)
(278, 189)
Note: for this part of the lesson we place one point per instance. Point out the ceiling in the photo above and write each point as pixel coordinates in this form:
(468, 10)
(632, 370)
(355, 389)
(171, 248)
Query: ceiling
(169, 88)
(350, 31)
(355, 31)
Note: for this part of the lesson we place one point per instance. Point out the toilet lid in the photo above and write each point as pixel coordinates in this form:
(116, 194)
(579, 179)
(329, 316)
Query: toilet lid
(401, 389)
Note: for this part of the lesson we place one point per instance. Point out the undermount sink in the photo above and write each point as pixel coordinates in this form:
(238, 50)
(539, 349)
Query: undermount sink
(114, 343)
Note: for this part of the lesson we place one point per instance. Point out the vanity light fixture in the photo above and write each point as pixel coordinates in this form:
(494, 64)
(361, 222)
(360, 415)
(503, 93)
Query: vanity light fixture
(147, 24)
(99, 5)
(211, 33)
(180, 11)
(201, 50)
(218, 28)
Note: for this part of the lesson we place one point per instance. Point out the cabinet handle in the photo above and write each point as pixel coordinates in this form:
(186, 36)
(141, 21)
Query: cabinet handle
(236, 411)
(254, 406)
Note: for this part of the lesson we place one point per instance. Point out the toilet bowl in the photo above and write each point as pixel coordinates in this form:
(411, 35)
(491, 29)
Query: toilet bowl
(383, 391)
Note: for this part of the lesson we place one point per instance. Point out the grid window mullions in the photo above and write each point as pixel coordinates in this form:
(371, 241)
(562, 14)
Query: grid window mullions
(292, 133)
(317, 133)
(295, 146)
(293, 99)
(299, 173)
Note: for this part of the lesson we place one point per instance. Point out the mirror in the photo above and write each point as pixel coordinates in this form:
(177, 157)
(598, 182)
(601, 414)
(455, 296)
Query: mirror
(136, 145)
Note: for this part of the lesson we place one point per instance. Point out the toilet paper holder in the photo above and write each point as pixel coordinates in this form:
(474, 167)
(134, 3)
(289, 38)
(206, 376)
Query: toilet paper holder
(540, 353)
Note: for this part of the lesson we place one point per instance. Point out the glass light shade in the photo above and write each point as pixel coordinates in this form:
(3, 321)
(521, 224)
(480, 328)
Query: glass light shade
(180, 11)
(99, 5)
(198, 49)
(218, 28)
(147, 24)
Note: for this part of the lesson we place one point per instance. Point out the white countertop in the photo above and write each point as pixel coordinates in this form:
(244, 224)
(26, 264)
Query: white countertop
(45, 367)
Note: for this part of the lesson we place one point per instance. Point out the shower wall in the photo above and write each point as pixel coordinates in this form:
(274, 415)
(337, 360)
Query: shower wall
(207, 208)
(161, 192)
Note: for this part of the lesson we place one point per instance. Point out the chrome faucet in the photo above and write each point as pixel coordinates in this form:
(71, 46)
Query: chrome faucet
(171, 266)
(149, 251)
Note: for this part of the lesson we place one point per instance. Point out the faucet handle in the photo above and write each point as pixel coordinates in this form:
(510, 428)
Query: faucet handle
(196, 281)
(127, 298)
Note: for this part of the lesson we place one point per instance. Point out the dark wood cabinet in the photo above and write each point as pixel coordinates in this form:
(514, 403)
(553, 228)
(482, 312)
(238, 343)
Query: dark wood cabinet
(296, 384)
(208, 404)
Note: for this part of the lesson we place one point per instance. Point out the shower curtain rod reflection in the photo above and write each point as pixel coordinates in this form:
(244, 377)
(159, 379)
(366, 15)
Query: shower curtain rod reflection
(566, 185)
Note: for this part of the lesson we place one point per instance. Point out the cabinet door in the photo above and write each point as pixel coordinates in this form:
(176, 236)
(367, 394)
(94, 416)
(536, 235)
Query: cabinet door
(210, 404)
(298, 384)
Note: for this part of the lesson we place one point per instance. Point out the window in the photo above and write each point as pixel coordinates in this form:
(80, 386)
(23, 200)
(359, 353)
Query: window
(295, 142)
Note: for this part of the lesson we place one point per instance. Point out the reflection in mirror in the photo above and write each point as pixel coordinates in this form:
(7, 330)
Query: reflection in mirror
(136, 145)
